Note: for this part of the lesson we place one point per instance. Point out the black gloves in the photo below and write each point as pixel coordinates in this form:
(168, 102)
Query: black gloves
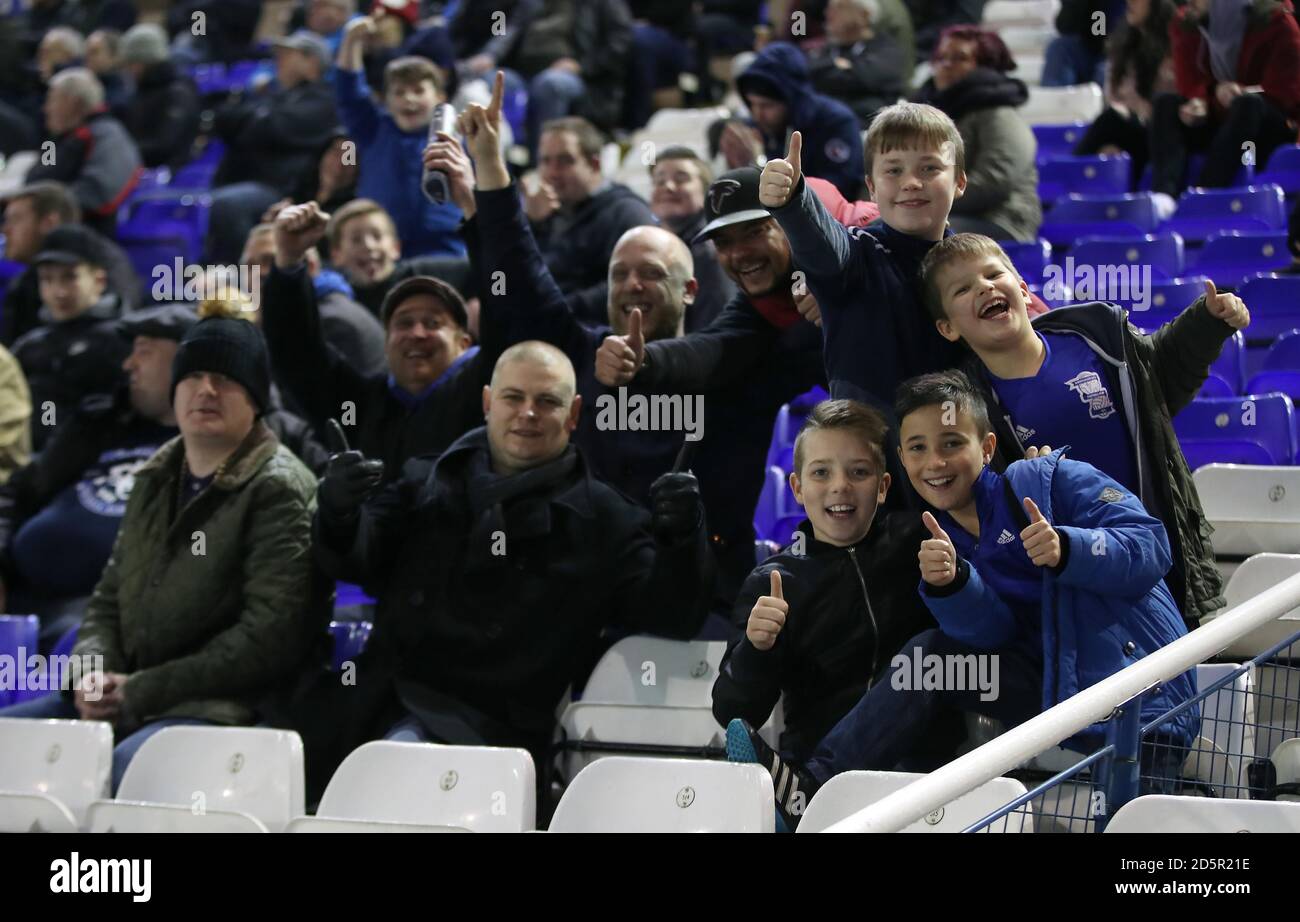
(349, 478)
(675, 507)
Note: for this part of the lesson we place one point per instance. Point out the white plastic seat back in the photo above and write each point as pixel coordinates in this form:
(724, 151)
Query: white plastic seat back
(1227, 735)
(34, 813)
(654, 670)
(211, 769)
(620, 794)
(849, 792)
(123, 816)
(1286, 759)
(1062, 105)
(1165, 813)
(1254, 508)
(1039, 13)
(329, 824)
(69, 760)
(1255, 575)
(481, 788)
(630, 723)
(1024, 40)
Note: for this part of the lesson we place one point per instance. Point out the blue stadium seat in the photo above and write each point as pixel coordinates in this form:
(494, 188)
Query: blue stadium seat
(1097, 174)
(1058, 296)
(9, 270)
(350, 594)
(1231, 364)
(1029, 258)
(769, 509)
(1283, 169)
(1164, 254)
(1231, 256)
(150, 246)
(1282, 381)
(1274, 303)
(195, 176)
(18, 632)
(210, 78)
(803, 404)
(1057, 140)
(1255, 429)
(1216, 386)
(1284, 354)
(1076, 216)
(1202, 212)
(783, 529)
(1168, 298)
(350, 638)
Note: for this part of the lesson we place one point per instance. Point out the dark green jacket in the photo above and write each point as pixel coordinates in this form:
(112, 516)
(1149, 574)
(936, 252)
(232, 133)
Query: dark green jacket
(1155, 377)
(209, 610)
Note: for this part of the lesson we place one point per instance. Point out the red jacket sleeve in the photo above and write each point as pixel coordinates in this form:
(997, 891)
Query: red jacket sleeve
(1186, 46)
(1270, 57)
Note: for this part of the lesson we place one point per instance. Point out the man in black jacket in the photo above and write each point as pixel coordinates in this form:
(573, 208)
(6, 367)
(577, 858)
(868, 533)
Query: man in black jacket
(163, 114)
(862, 68)
(497, 566)
(577, 215)
(272, 138)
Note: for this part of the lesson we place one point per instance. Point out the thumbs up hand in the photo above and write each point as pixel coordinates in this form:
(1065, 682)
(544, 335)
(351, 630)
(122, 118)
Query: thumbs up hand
(1227, 307)
(938, 557)
(619, 358)
(349, 478)
(1042, 542)
(767, 617)
(776, 184)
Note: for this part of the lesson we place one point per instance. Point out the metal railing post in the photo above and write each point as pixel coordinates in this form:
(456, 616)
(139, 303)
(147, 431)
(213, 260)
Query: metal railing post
(1118, 778)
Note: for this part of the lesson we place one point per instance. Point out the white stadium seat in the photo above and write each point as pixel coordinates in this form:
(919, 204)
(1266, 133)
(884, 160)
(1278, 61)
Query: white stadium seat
(34, 813)
(1256, 574)
(1039, 13)
(1286, 759)
(68, 760)
(622, 724)
(326, 824)
(123, 816)
(221, 769)
(657, 671)
(1226, 743)
(478, 788)
(1062, 105)
(1254, 508)
(1026, 41)
(667, 795)
(847, 793)
(1164, 813)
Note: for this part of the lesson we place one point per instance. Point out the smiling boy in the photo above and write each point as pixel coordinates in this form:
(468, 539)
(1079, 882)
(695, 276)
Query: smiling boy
(1053, 569)
(822, 618)
(1083, 375)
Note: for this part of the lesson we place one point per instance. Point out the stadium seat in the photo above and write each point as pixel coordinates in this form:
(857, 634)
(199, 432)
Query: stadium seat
(667, 795)
(592, 731)
(1202, 212)
(783, 529)
(34, 813)
(478, 788)
(1276, 382)
(9, 270)
(1283, 169)
(1231, 363)
(1286, 761)
(1254, 429)
(656, 671)
(802, 405)
(69, 760)
(233, 769)
(1062, 105)
(1096, 174)
(210, 79)
(18, 633)
(1216, 386)
(1058, 140)
(126, 817)
(1233, 255)
(350, 639)
(764, 549)
(1039, 14)
(1075, 216)
(1030, 259)
(166, 209)
(1284, 354)
(319, 824)
(775, 500)
(1274, 302)
(197, 175)
(1254, 509)
(1163, 813)
(1256, 574)
(1166, 300)
(1226, 744)
(1163, 253)
(849, 792)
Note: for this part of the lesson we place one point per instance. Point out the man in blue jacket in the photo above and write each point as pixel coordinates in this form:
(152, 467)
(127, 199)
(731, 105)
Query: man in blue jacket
(1051, 573)
(779, 93)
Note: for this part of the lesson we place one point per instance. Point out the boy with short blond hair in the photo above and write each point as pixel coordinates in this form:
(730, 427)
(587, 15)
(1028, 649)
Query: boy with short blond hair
(1082, 375)
(847, 582)
(391, 140)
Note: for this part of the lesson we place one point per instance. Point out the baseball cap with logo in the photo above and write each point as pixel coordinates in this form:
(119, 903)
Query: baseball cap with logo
(732, 199)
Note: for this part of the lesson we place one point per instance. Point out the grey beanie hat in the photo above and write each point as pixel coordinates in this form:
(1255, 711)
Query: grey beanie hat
(145, 43)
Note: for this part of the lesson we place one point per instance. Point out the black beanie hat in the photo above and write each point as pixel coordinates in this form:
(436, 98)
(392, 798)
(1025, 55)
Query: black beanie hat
(230, 347)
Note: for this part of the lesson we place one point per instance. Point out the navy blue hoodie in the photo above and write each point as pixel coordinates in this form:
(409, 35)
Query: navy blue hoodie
(832, 143)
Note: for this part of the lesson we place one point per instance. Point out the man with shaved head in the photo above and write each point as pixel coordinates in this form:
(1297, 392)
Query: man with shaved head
(496, 567)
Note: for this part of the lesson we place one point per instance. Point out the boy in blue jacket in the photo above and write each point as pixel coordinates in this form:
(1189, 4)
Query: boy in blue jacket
(391, 141)
(1051, 572)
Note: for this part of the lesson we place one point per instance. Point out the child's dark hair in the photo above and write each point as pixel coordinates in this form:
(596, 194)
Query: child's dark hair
(858, 418)
(949, 250)
(907, 125)
(943, 388)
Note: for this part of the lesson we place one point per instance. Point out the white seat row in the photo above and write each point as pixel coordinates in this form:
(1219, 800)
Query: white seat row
(1164, 813)
(1253, 508)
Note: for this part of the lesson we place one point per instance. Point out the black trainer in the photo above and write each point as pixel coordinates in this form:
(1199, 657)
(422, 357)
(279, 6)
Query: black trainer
(792, 785)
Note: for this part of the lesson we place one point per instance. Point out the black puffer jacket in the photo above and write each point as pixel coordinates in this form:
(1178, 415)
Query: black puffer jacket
(163, 115)
(851, 611)
(275, 137)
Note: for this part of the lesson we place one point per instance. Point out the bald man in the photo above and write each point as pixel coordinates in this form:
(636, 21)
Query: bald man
(496, 567)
